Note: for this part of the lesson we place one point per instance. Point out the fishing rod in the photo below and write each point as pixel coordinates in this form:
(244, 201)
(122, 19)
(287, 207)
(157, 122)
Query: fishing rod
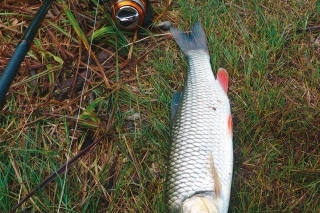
(22, 49)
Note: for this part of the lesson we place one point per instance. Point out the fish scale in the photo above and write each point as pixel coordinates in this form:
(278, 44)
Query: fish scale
(201, 153)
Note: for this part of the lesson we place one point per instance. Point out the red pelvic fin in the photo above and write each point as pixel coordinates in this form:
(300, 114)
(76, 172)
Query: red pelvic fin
(223, 79)
(230, 124)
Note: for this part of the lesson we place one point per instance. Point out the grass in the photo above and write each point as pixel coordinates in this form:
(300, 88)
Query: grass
(274, 71)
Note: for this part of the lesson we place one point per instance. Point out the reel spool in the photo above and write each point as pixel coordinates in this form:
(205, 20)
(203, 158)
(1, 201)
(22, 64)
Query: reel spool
(131, 14)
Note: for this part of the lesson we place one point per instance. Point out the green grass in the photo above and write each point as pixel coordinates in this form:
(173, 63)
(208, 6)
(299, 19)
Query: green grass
(274, 91)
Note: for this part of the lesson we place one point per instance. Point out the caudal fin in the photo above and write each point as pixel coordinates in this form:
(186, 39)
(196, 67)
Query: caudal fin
(195, 40)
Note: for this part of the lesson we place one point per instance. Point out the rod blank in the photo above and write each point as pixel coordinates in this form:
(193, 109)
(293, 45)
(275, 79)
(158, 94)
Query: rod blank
(22, 49)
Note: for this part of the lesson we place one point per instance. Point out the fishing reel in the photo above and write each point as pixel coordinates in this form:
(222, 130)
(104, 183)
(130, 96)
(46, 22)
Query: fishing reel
(131, 14)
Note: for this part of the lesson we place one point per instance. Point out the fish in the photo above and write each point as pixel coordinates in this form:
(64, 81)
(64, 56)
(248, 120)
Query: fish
(200, 162)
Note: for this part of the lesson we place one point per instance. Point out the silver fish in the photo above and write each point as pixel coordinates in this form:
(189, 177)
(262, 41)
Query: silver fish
(201, 152)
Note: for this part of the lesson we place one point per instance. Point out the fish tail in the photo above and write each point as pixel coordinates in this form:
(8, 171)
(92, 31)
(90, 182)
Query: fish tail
(196, 39)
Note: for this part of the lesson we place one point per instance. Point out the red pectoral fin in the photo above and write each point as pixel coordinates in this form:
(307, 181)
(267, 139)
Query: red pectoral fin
(223, 79)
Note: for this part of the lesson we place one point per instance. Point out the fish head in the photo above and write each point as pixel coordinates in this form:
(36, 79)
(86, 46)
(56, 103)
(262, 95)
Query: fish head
(199, 204)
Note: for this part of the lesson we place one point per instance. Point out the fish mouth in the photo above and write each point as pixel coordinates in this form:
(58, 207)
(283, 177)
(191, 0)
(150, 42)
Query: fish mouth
(199, 204)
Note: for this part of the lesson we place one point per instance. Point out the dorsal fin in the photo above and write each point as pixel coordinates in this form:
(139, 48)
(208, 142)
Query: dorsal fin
(223, 79)
(175, 103)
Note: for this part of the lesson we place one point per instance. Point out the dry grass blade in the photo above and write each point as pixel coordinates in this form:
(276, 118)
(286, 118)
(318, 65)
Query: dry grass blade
(168, 2)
